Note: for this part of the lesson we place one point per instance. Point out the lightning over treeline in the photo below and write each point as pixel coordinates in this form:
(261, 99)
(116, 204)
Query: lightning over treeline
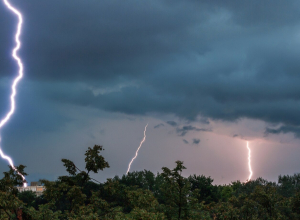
(15, 81)
(137, 151)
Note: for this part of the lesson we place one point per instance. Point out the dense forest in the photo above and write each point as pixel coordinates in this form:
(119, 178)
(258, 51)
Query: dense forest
(145, 195)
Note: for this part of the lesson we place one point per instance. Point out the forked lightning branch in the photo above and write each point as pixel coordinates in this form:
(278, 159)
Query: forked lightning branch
(15, 81)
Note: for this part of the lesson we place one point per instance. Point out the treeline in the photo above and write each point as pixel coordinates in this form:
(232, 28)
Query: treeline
(144, 195)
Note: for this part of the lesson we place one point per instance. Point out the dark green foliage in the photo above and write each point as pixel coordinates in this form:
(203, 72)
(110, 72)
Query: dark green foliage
(93, 160)
(69, 193)
(144, 195)
(12, 178)
(296, 204)
(28, 197)
(289, 185)
(10, 204)
(207, 192)
(175, 190)
(249, 187)
(143, 179)
(71, 168)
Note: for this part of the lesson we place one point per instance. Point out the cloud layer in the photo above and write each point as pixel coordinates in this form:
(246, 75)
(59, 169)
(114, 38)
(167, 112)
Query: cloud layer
(217, 60)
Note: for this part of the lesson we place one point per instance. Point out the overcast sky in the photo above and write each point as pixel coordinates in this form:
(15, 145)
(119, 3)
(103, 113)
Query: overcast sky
(206, 75)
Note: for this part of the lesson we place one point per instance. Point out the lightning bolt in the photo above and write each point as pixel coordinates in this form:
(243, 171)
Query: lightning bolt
(249, 162)
(15, 82)
(137, 151)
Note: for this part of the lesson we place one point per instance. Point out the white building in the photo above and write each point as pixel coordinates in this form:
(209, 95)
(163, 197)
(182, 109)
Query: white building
(34, 187)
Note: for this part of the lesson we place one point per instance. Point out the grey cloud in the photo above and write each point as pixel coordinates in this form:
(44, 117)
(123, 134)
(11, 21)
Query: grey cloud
(204, 121)
(185, 129)
(159, 125)
(196, 141)
(271, 13)
(172, 123)
(284, 129)
(185, 141)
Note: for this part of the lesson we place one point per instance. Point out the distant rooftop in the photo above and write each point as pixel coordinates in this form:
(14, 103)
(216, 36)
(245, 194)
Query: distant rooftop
(35, 184)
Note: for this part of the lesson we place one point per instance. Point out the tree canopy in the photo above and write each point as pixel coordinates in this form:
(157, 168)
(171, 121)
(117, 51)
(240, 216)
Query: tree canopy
(145, 195)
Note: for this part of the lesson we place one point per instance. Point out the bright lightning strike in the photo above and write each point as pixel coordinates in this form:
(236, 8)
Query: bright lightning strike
(249, 162)
(16, 80)
(136, 153)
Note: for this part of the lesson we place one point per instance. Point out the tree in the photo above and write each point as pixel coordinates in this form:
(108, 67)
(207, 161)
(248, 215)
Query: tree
(143, 179)
(28, 197)
(226, 192)
(10, 204)
(267, 197)
(12, 178)
(295, 204)
(175, 191)
(143, 195)
(207, 192)
(67, 193)
(288, 185)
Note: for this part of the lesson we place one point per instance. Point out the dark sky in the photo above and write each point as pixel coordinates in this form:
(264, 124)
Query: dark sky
(206, 76)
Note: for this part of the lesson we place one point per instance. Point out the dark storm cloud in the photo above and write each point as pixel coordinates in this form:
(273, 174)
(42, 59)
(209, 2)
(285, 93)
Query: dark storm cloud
(185, 129)
(172, 123)
(185, 141)
(204, 121)
(35, 115)
(100, 40)
(196, 141)
(159, 125)
(248, 13)
(221, 60)
(284, 129)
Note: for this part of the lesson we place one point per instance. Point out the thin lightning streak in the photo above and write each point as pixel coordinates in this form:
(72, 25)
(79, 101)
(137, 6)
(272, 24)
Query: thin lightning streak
(249, 162)
(136, 153)
(15, 82)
